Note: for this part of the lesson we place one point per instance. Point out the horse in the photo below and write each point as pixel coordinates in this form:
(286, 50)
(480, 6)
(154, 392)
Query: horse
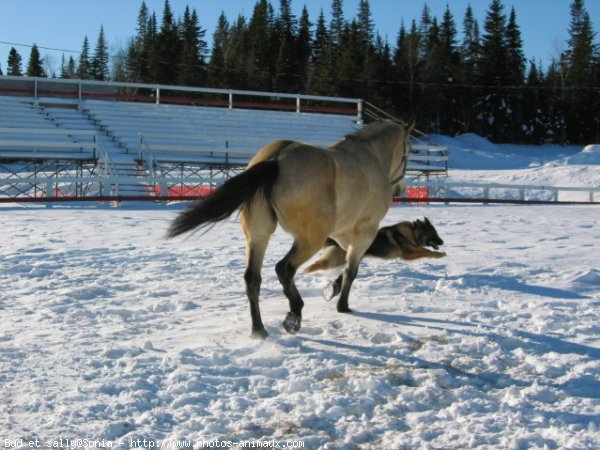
(341, 192)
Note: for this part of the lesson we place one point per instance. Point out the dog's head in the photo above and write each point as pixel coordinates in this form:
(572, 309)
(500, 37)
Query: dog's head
(425, 234)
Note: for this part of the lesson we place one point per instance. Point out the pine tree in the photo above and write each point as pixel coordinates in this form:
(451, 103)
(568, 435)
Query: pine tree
(581, 46)
(137, 65)
(470, 48)
(84, 68)
(324, 76)
(168, 48)
(409, 64)
(494, 55)
(514, 46)
(35, 65)
(193, 51)
(99, 63)
(338, 24)
(263, 45)
(303, 49)
(321, 39)
(287, 78)
(236, 56)
(14, 63)
(216, 67)
(366, 28)
(68, 69)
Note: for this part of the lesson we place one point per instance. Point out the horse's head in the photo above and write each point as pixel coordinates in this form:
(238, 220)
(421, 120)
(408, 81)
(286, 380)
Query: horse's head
(398, 147)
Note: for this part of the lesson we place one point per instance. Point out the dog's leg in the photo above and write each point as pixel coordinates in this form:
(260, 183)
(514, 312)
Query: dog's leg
(333, 256)
(412, 253)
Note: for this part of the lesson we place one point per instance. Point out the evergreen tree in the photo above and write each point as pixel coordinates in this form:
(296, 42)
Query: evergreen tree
(424, 28)
(321, 40)
(287, 78)
(409, 64)
(470, 48)
(137, 66)
(35, 65)
(84, 67)
(366, 28)
(193, 51)
(494, 55)
(325, 76)
(216, 67)
(99, 63)
(263, 45)
(350, 62)
(68, 69)
(168, 48)
(303, 49)
(514, 46)
(338, 24)
(236, 55)
(14, 63)
(581, 46)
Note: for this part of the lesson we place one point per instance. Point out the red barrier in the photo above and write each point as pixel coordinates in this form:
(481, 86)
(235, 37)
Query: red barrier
(413, 194)
(186, 191)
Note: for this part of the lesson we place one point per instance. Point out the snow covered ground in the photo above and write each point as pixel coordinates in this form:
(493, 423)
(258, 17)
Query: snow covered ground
(108, 331)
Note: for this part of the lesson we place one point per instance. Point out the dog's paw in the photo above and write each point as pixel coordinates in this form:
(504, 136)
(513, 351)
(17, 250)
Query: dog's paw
(440, 254)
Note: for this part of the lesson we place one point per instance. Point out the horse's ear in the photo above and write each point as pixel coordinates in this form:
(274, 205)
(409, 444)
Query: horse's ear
(412, 123)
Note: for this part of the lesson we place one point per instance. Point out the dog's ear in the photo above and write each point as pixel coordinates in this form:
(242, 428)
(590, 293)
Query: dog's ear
(427, 221)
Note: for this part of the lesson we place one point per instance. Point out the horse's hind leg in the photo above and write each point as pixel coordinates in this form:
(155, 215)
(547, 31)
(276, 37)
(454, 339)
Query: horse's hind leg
(258, 228)
(301, 251)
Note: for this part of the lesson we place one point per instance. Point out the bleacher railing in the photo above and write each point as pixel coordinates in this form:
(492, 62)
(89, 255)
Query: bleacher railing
(78, 90)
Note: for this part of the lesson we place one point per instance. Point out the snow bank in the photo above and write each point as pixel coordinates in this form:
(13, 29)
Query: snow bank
(589, 155)
(475, 159)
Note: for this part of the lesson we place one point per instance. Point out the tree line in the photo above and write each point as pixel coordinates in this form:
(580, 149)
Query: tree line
(477, 80)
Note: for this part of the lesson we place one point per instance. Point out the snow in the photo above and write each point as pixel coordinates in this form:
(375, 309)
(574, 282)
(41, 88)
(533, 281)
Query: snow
(110, 332)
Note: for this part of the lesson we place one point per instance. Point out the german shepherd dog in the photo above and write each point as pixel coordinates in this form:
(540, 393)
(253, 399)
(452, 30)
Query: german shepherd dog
(405, 240)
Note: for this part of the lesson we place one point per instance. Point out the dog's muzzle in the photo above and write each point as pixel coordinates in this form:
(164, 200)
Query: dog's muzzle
(435, 244)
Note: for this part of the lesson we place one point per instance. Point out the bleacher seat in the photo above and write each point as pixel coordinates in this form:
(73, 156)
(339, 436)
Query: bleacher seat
(184, 133)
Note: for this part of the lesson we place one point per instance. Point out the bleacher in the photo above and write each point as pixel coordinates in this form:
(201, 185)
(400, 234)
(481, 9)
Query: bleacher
(28, 132)
(184, 133)
(128, 145)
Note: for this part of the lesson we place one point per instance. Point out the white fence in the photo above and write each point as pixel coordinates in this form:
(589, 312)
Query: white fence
(106, 184)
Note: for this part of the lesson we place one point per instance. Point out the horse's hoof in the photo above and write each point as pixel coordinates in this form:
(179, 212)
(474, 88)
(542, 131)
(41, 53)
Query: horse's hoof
(291, 324)
(344, 309)
(259, 334)
(329, 292)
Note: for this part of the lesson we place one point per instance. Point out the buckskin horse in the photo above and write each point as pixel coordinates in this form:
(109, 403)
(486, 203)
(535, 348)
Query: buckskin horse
(341, 192)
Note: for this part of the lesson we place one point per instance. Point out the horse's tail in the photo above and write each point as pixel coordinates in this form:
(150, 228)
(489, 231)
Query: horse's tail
(240, 190)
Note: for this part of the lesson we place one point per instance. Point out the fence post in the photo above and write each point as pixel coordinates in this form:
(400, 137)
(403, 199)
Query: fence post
(49, 193)
(158, 94)
(164, 190)
(79, 91)
(359, 111)
(35, 88)
(230, 99)
(298, 103)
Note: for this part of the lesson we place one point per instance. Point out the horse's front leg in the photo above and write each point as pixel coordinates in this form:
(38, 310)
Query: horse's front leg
(300, 252)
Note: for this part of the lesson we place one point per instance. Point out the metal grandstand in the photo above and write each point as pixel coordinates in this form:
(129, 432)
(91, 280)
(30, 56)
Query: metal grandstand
(79, 139)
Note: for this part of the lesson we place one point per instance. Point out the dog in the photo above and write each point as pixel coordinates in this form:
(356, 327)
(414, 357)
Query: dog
(404, 240)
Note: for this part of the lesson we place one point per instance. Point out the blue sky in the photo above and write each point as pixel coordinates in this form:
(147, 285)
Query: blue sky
(62, 24)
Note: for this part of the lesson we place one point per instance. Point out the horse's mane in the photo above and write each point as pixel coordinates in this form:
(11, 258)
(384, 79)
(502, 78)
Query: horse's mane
(373, 130)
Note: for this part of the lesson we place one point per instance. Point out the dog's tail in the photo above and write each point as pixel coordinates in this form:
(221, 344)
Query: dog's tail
(240, 190)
